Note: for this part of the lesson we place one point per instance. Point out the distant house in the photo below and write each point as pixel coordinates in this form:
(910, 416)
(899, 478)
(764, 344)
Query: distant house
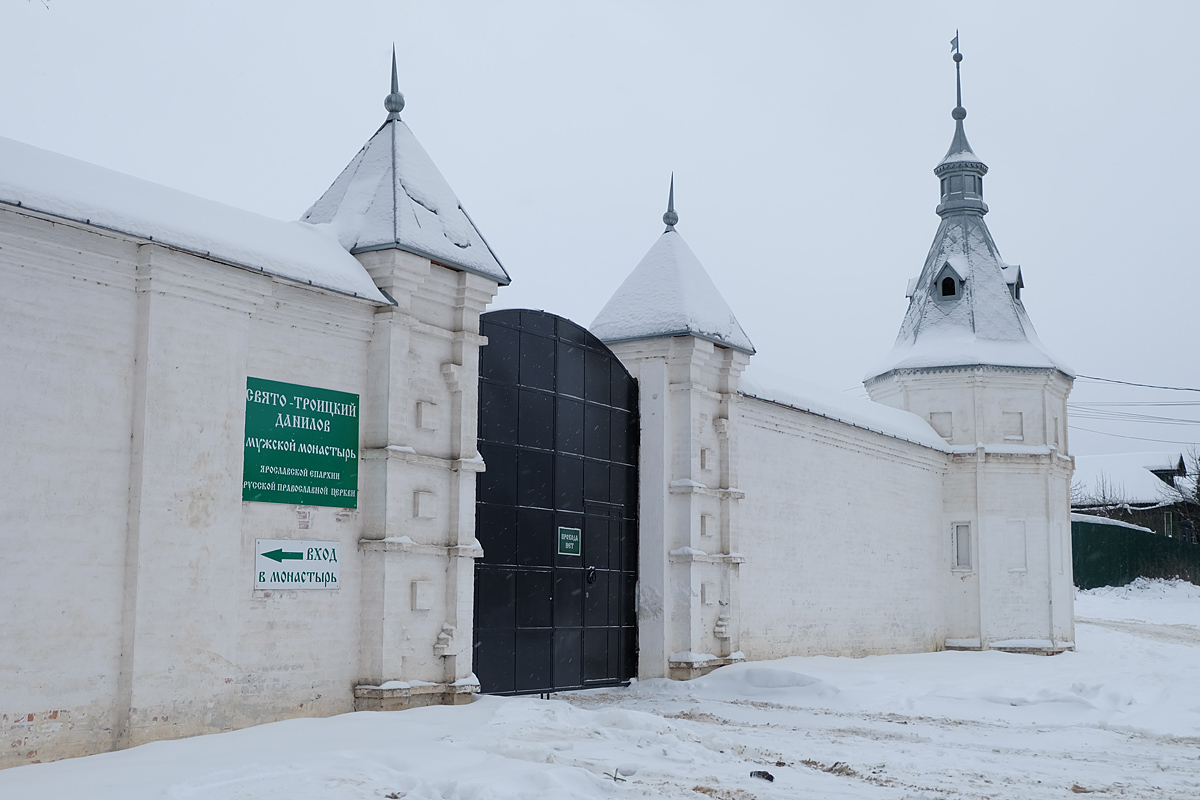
(1153, 490)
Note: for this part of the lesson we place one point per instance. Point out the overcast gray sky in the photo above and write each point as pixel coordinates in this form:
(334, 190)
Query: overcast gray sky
(802, 135)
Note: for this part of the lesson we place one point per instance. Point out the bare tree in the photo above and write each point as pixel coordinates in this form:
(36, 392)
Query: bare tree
(1101, 498)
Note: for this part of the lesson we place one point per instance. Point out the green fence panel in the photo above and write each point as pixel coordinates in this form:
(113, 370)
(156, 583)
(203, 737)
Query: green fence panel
(1113, 555)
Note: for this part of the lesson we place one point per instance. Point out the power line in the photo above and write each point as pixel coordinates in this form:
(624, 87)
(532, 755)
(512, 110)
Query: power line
(1143, 385)
(1081, 411)
(1122, 436)
(1131, 403)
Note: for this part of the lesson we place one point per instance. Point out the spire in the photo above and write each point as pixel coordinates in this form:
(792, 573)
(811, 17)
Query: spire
(671, 218)
(961, 172)
(394, 102)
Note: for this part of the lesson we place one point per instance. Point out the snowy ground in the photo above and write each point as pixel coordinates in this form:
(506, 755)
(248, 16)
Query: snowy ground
(1120, 717)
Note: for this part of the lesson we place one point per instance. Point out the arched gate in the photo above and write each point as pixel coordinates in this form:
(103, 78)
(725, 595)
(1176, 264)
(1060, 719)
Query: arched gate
(556, 510)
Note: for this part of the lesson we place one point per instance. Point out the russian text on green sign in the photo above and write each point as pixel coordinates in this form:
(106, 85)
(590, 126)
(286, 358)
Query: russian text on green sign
(301, 445)
(570, 542)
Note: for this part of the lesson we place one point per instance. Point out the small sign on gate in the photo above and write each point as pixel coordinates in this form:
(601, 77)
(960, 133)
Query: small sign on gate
(570, 542)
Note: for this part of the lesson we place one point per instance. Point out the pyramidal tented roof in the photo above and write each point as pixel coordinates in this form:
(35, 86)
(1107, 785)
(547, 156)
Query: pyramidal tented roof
(392, 196)
(670, 294)
(985, 325)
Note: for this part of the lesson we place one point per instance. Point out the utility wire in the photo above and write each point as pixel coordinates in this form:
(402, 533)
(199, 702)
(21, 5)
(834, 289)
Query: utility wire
(1122, 436)
(1143, 385)
(1131, 404)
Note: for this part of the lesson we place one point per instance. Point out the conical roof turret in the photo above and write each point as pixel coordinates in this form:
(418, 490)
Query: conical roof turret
(965, 307)
(392, 195)
(669, 293)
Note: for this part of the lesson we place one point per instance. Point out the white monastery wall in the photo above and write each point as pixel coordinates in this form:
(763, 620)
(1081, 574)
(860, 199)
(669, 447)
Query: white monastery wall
(66, 363)
(129, 544)
(842, 538)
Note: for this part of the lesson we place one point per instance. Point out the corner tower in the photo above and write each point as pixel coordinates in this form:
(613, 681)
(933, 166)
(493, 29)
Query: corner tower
(967, 359)
(393, 211)
(678, 337)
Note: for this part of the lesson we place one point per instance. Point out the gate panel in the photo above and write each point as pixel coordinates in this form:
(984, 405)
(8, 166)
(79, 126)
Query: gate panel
(556, 510)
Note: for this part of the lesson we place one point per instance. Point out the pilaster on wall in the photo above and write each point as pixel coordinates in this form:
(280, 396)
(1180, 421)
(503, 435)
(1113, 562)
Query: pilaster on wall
(688, 612)
(180, 303)
(420, 459)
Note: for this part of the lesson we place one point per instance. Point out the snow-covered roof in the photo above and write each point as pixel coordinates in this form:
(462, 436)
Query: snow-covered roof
(76, 190)
(985, 322)
(1129, 477)
(788, 390)
(985, 325)
(669, 293)
(391, 195)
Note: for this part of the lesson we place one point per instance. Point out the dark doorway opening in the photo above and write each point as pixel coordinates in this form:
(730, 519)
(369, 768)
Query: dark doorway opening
(556, 510)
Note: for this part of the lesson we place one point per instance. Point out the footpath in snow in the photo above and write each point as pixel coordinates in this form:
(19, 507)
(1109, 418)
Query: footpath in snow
(1118, 718)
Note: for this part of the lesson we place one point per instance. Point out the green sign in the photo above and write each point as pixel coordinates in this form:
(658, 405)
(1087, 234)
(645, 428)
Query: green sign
(570, 542)
(301, 445)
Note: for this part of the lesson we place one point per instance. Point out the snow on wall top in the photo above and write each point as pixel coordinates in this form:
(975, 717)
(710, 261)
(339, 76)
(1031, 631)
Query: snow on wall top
(392, 195)
(669, 293)
(984, 325)
(1076, 517)
(790, 391)
(76, 190)
(1127, 477)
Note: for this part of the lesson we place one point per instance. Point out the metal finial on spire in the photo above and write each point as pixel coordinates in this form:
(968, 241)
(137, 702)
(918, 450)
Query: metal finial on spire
(394, 102)
(671, 218)
(959, 113)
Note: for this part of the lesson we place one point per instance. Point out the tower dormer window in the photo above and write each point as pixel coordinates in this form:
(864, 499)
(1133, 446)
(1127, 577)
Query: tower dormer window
(949, 284)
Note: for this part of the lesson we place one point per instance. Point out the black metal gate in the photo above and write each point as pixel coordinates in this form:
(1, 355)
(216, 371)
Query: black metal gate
(556, 510)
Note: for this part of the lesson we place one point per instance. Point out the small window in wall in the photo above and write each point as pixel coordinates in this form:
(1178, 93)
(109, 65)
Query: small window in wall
(1054, 431)
(1015, 544)
(707, 525)
(948, 287)
(962, 545)
(943, 423)
(945, 186)
(1014, 426)
(705, 458)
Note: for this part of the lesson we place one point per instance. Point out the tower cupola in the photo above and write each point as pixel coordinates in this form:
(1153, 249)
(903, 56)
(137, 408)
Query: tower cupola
(961, 171)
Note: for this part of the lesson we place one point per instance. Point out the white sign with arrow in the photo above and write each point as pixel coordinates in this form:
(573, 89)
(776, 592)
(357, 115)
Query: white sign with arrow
(296, 564)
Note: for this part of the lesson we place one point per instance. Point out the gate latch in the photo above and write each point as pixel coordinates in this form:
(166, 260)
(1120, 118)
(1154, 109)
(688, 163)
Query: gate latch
(591, 575)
